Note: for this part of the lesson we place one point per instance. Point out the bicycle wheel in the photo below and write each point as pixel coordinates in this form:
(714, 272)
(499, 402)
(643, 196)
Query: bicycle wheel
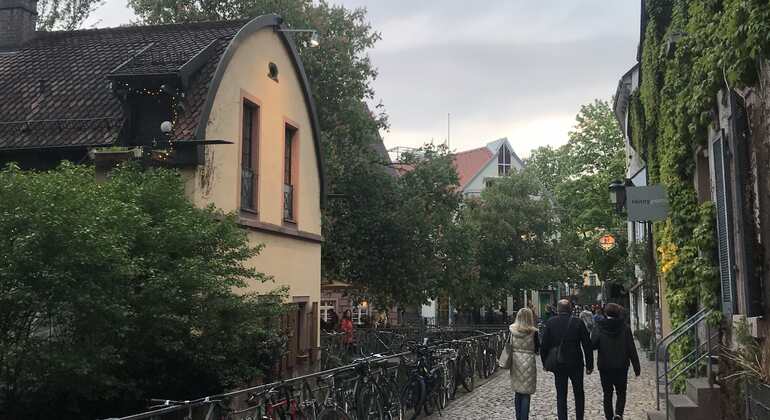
(467, 372)
(491, 362)
(392, 405)
(439, 387)
(333, 413)
(369, 404)
(431, 403)
(451, 379)
(412, 398)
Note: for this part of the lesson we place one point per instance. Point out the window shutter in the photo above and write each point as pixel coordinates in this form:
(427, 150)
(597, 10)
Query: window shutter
(724, 223)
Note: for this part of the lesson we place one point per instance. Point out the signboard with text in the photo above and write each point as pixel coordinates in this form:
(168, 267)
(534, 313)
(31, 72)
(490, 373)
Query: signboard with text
(646, 204)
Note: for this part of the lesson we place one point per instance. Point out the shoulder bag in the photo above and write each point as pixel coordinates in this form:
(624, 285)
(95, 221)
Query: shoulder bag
(554, 357)
(505, 357)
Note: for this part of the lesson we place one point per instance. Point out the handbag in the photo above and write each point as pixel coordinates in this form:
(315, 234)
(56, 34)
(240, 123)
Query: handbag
(505, 357)
(554, 357)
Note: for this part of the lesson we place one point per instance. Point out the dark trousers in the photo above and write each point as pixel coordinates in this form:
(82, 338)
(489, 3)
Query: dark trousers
(521, 406)
(614, 380)
(574, 375)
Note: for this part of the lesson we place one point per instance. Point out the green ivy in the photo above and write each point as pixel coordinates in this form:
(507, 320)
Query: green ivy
(691, 50)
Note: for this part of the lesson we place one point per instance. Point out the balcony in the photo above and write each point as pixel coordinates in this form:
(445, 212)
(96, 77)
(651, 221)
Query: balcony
(288, 203)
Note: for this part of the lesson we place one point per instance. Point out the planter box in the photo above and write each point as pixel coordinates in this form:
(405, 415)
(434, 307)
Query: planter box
(105, 160)
(758, 403)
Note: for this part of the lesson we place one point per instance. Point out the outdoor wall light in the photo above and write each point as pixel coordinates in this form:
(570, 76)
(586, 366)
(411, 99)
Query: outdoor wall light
(618, 195)
(166, 127)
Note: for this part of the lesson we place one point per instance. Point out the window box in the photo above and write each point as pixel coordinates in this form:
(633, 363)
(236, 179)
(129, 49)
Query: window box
(107, 158)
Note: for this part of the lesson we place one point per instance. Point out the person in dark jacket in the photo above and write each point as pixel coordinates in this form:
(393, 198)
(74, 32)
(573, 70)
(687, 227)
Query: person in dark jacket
(574, 335)
(615, 344)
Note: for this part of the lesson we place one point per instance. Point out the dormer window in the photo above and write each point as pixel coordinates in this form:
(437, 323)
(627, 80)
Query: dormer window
(504, 161)
(149, 108)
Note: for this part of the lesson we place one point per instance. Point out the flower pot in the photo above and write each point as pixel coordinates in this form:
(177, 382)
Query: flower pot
(105, 160)
(758, 401)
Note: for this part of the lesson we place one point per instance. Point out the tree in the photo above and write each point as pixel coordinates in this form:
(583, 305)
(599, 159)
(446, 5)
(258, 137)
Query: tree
(577, 176)
(389, 237)
(517, 238)
(65, 15)
(114, 292)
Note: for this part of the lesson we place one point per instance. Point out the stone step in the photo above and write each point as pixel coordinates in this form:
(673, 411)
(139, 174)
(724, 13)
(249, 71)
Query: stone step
(703, 394)
(683, 408)
(656, 415)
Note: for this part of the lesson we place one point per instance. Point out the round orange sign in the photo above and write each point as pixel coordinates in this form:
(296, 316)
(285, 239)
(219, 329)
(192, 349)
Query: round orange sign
(607, 242)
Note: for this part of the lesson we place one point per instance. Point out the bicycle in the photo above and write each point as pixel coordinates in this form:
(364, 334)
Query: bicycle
(425, 386)
(465, 367)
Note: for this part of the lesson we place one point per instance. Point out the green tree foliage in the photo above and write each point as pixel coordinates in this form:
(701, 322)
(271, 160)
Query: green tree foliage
(64, 14)
(114, 292)
(390, 236)
(577, 175)
(514, 225)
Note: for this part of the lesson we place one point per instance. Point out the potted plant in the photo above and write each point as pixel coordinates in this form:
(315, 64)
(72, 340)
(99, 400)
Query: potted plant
(106, 158)
(643, 336)
(752, 364)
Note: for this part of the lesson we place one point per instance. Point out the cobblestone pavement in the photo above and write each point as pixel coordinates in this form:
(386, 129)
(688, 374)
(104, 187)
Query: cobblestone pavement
(494, 400)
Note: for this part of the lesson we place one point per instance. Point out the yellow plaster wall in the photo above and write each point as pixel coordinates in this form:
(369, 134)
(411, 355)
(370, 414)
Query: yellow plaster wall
(292, 262)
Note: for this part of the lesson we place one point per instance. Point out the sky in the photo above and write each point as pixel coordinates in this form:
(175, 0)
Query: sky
(500, 68)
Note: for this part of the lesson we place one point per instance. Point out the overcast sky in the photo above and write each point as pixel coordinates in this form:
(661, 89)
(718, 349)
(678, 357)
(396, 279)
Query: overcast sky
(502, 68)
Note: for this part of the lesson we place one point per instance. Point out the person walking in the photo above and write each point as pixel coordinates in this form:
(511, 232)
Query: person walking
(524, 346)
(599, 315)
(561, 354)
(588, 319)
(616, 351)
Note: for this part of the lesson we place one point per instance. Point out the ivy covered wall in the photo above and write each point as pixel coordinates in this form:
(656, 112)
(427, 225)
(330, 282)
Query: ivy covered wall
(690, 50)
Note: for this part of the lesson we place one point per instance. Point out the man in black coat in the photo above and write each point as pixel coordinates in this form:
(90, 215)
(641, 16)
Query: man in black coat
(574, 335)
(615, 343)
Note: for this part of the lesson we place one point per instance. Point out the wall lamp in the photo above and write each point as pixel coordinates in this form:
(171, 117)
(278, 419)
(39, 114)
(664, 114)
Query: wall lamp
(315, 39)
(618, 194)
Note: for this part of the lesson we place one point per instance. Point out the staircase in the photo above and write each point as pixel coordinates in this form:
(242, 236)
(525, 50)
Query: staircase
(701, 400)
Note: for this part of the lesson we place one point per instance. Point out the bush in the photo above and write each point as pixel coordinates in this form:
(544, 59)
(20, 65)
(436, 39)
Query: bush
(114, 292)
(643, 336)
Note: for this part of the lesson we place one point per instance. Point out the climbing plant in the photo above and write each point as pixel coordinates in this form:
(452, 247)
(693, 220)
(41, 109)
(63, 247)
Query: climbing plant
(690, 50)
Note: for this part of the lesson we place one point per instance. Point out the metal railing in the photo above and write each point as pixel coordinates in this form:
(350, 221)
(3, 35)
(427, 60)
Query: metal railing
(334, 351)
(703, 349)
(204, 407)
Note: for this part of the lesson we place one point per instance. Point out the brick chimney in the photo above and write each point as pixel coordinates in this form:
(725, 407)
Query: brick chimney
(17, 23)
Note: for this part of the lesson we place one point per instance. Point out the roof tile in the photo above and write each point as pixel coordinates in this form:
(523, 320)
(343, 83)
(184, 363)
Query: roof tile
(55, 91)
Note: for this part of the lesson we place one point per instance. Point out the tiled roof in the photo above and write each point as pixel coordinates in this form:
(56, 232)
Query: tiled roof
(55, 91)
(468, 163)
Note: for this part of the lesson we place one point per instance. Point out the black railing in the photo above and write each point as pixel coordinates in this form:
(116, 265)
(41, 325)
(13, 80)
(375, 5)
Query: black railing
(288, 202)
(247, 189)
(306, 392)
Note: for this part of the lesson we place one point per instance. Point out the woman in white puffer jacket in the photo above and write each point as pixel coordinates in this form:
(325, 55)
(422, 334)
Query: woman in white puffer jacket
(524, 346)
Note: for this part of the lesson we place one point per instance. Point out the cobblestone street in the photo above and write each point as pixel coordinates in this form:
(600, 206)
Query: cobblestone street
(493, 399)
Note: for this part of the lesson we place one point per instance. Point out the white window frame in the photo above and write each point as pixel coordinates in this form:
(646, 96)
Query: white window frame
(324, 307)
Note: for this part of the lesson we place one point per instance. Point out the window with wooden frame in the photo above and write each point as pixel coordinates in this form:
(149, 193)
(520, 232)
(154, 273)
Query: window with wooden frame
(290, 174)
(249, 157)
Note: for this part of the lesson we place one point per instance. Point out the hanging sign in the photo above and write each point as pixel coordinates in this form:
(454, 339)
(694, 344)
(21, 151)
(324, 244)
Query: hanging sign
(646, 204)
(607, 242)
